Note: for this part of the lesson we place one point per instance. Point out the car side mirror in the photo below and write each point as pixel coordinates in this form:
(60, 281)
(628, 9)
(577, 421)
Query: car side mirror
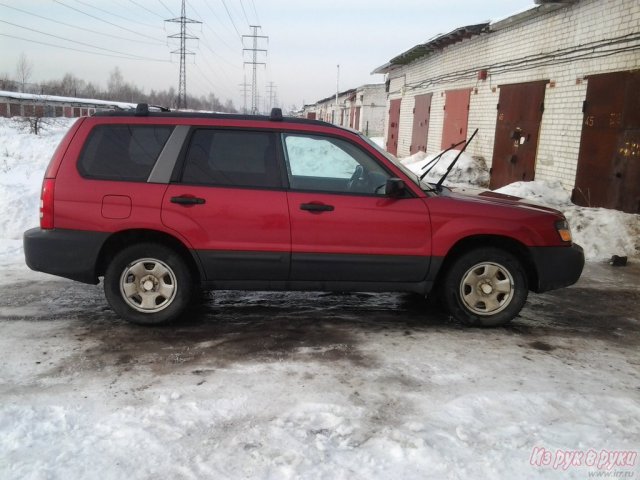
(394, 187)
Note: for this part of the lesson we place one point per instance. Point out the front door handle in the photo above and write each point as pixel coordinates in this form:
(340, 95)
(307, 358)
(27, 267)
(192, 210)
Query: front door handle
(184, 200)
(317, 207)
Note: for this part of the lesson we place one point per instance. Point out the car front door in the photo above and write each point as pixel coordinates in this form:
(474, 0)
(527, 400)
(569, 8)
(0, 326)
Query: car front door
(343, 227)
(228, 202)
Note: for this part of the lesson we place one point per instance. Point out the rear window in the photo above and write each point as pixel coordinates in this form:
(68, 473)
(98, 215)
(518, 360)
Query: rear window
(232, 158)
(122, 152)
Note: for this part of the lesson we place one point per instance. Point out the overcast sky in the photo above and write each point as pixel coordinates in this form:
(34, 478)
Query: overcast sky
(307, 40)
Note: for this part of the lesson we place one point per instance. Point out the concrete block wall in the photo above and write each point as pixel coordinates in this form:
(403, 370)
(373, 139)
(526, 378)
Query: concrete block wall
(372, 100)
(572, 26)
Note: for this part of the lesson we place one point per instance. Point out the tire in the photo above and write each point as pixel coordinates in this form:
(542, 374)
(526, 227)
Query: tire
(485, 287)
(148, 284)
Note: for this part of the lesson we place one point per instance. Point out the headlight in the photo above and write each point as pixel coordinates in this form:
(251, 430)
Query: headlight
(563, 230)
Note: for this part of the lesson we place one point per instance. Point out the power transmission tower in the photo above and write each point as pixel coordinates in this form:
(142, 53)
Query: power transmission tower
(244, 89)
(183, 52)
(271, 92)
(254, 63)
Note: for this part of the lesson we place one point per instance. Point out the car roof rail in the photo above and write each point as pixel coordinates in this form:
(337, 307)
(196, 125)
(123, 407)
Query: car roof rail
(276, 115)
(142, 110)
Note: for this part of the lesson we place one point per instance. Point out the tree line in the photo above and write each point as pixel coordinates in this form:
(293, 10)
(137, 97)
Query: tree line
(118, 89)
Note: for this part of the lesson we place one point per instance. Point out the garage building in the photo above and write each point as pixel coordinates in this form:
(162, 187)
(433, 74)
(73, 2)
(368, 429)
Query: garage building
(554, 92)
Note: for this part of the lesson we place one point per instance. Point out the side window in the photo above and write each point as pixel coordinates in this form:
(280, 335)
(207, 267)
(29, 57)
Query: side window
(122, 152)
(231, 158)
(331, 165)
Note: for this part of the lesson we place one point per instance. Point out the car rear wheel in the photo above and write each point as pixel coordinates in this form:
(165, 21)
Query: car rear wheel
(485, 287)
(148, 284)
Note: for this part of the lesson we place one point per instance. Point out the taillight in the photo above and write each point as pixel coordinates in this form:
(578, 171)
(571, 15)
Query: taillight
(46, 204)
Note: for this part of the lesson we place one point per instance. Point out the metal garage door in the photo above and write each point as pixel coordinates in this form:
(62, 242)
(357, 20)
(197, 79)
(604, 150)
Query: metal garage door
(394, 127)
(608, 172)
(456, 116)
(421, 114)
(515, 146)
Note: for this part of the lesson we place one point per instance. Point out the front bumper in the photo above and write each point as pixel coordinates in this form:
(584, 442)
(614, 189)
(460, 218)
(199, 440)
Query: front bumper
(66, 253)
(557, 267)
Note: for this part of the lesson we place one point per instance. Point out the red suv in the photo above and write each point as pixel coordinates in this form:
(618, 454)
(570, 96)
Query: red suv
(162, 204)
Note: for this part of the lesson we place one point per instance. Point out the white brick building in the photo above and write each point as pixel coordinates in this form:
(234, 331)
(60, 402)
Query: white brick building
(363, 108)
(371, 108)
(524, 82)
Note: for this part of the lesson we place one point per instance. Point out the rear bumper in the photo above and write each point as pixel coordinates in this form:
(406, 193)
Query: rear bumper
(66, 253)
(557, 267)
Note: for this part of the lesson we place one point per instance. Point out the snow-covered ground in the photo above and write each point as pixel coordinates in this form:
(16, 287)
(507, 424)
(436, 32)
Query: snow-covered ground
(319, 386)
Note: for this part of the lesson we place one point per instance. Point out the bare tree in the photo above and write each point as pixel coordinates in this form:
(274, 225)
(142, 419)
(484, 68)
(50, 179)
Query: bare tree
(115, 85)
(24, 69)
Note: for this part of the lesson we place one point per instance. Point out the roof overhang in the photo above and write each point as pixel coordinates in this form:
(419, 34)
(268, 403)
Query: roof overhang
(434, 45)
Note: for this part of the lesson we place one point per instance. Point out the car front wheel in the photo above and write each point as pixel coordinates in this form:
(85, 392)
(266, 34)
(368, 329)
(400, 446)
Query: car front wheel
(148, 284)
(485, 287)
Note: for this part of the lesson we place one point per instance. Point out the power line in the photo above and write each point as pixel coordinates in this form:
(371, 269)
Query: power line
(217, 54)
(132, 56)
(115, 14)
(145, 8)
(223, 24)
(230, 18)
(108, 22)
(255, 11)
(74, 49)
(58, 22)
(167, 8)
(245, 13)
(207, 25)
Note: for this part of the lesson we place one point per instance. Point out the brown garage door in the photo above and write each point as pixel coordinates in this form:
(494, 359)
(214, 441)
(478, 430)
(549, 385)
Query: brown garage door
(421, 113)
(356, 119)
(517, 130)
(394, 127)
(456, 116)
(608, 172)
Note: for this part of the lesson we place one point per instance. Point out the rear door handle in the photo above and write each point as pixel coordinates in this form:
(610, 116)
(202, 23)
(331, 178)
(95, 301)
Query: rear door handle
(183, 200)
(317, 207)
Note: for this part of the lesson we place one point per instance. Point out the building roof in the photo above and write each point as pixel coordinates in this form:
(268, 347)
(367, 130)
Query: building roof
(463, 33)
(340, 94)
(434, 45)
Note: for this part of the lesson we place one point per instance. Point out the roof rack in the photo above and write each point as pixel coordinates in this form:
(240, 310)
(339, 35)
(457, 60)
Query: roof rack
(146, 110)
(276, 115)
(142, 109)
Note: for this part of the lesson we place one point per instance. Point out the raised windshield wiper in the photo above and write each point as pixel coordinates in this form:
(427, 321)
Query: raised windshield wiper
(432, 163)
(439, 184)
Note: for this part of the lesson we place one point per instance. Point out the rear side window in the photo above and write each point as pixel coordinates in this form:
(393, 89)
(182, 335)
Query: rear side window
(232, 158)
(122, 152)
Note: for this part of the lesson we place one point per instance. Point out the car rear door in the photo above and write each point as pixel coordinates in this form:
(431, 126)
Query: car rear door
(343, 227)
(228, 202)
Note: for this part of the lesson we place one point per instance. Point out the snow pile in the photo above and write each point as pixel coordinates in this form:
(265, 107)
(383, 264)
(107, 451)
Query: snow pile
(600, 231)
(23, 160)
(552, 193)
(468, 170)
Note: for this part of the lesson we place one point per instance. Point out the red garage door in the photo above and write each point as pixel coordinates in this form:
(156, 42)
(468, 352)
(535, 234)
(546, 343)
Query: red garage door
(421, 114)
(456, 116)
(394, 127)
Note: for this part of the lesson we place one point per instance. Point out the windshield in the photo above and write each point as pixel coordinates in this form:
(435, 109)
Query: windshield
(411, 175)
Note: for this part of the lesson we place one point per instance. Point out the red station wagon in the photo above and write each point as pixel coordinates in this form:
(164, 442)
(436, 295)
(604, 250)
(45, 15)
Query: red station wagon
(163, 204)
